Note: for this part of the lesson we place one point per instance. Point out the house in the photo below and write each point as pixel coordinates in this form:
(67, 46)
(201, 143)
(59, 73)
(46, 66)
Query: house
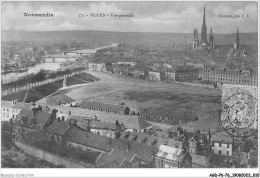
(119, 159)
(148, 140)
(97, 67)
(198, 143)
(92, 142)
(154, 75)
(7, 110)
(221, 144)
(32, 120)
(60, 99)
(124, 110)
(18, 106)
(171, 157)
(59, 130)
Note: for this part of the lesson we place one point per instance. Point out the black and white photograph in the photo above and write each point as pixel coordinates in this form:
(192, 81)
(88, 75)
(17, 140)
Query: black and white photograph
(93, 86)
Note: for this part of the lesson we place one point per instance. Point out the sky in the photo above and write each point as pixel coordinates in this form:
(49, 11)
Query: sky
(160, 16)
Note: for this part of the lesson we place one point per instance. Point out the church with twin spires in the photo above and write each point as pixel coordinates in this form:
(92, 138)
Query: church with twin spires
(203, 43)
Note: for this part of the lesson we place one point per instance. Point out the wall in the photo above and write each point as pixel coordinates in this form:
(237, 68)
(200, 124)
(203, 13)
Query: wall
(49, 157)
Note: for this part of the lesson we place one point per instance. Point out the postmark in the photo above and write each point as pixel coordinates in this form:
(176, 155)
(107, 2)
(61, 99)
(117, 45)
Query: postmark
(239, 113)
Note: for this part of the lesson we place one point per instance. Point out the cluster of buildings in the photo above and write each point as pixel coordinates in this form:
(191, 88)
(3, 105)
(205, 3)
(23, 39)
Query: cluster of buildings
(120, 140)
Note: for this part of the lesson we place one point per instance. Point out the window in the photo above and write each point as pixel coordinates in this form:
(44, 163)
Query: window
(227, 145)
(227, 152)
(159, 164)
(219, 152)
(219, 144)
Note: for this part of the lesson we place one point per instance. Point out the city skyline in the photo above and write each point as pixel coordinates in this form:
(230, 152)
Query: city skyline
(166, 17)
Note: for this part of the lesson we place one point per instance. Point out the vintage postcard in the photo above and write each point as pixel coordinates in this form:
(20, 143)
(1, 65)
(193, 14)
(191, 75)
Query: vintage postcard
(129, 84)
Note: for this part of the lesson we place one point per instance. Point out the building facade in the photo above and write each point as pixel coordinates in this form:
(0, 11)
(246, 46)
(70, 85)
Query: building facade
(170, 75)
(221, 145)
(154, 75)
(97, 67)
(186, 74)
(235, 77)
(170, 157)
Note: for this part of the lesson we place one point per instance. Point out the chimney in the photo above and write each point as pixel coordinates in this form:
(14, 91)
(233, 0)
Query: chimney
(54, 113)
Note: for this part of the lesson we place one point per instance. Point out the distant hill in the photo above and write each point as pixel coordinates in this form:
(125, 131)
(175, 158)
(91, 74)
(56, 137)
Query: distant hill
(142, 38)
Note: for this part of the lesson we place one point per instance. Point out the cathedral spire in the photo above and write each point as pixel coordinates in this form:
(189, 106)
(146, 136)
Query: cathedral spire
(204, 20)
(237, 42)
(204, 29)
(237, 39)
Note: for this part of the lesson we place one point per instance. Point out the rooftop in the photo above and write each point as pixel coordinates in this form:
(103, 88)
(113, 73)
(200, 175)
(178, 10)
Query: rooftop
(27, 118)
(149, 140)
(58, 127)
(130, 121)
(116, 155)
(101, 105)
(199, 161)
(170, 153)
(7, 104)
(108, 144)
(21, 105)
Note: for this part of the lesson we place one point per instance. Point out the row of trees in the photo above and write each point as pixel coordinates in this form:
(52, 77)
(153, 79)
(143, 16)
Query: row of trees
(39, 78)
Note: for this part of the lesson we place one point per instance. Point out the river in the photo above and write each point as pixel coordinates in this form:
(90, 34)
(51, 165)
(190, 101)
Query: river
(53, 66)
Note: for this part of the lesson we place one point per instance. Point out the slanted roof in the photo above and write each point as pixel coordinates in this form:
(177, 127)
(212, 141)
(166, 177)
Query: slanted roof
(7, 104)
(104, 106)
(102, 125)
(33, 120)
(21, 105)
(148, 139)
(58, 99)
(199, 161)
(130, 121)
(116, 155)
(108, 144)
(170, 153)
(58, 127)
(221, 138)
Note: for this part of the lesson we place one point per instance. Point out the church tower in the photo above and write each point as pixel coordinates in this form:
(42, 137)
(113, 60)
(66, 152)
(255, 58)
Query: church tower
(237, 42)
(211, 40)
(195, 39)
(204, 30)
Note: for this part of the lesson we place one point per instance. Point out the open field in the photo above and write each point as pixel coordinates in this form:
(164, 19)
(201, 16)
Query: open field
(177, 100)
